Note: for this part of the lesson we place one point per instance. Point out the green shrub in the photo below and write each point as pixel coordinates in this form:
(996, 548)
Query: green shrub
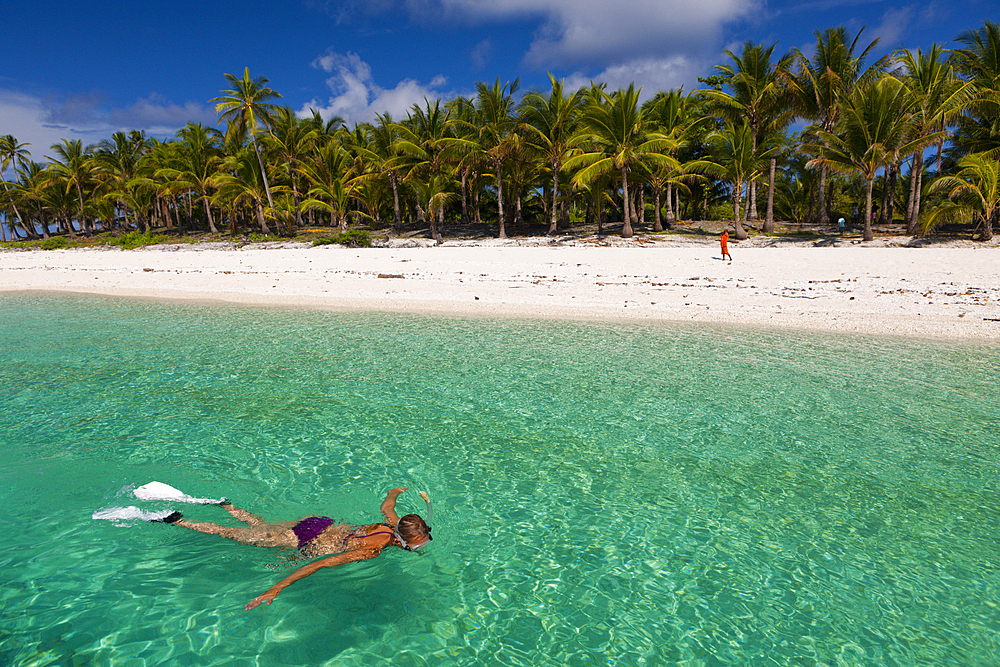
(257, 237)
(133, 240)
(54, 243)
(353, 238)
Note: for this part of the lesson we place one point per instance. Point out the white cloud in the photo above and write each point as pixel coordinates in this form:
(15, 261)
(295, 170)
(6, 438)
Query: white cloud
(357, 98)
(650, 74)
(27, 118)
(893, 27)
(43, 122)
(156, 115)
(612, 33)
(480, 54)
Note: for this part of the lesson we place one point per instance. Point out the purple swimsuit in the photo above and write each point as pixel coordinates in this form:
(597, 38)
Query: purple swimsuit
(309, 529)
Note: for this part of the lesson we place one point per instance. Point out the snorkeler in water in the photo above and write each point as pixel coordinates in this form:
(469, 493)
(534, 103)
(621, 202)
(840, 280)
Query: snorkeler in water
(319, 536)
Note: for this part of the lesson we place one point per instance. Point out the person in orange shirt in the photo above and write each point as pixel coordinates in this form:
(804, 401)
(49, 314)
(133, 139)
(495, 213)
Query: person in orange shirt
(724, 240)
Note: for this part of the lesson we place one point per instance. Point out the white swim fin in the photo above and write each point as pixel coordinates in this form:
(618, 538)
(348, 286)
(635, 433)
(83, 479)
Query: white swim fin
(161, 491)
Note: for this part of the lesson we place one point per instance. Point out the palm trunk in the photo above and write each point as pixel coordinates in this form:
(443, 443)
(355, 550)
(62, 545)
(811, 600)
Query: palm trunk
(627, 232)
(397, 216)
(890, 205)
(739, 232)
(868, 235)
(499, 167)
(261, 221)
(911, 219)
(670, 205)
(465, 197)
(79, 194)
(263, 172)
(916, 202)
(824, 216)
(208, 214)
(751, 211)
(885, 197)
(17, 214)
(769, 220)
(554, 223)
(657, 224)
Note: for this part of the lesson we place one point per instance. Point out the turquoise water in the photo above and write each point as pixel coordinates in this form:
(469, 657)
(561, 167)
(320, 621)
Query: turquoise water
(604, 494)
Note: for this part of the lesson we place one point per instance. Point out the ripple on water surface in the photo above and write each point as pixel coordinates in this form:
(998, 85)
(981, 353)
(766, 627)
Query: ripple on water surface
(647, 495)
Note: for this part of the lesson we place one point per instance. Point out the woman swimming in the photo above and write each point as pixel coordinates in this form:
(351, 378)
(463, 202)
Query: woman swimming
(318, 536)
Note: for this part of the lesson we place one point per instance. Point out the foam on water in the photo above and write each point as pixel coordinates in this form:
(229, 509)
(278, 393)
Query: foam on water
(628, 495)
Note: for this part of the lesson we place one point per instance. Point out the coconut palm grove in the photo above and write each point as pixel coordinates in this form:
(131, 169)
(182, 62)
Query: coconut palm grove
(906, 144)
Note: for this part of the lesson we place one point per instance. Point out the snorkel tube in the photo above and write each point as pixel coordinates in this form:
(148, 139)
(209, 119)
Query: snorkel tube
(430, 513)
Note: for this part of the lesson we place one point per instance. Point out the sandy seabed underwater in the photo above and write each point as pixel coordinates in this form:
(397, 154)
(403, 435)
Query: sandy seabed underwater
(604, 493)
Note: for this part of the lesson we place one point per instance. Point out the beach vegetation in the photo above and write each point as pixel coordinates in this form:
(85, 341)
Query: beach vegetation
(137, 239)
(353, 238)
(556, 160)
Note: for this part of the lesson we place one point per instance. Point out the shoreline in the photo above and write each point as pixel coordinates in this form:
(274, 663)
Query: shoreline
(948, 292)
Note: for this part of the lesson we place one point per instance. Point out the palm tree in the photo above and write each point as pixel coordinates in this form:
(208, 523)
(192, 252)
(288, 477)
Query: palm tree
(673, 115)
(12, 155)
(425, 146)
(973, 191)
(821, 85)
(432, 195)
(497, 134)
(737, 159)
(74, 169)
(616, 138)
(246, 108)
(939, 97)
(551, 121)
(36, 189)
(333, 183)
(979, 62)
(324, 128)
(381, 151)
(292, 141)
(759, 96)
(117, 160)
(197, 160)
(241, 182)
(875, 127)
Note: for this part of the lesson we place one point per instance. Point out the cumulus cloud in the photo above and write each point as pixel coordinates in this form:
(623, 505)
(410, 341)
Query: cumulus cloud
(358, 98)
(650, 74)
(42, 122)
(25, 117)
(598, 32)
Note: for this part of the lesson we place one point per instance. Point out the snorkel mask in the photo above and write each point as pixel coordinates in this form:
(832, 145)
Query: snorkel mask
(430, 514)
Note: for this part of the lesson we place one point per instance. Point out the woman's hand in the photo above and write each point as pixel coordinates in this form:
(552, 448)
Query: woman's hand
(396, 492)
(267, 597)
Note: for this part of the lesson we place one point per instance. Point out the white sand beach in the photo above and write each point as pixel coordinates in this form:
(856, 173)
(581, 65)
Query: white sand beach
(946, 291)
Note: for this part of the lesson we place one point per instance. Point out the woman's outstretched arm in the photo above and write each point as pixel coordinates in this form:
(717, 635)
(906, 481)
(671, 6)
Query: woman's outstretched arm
(305, 571)
(389, 505)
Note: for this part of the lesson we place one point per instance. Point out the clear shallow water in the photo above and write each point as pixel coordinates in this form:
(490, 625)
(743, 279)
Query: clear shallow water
(604, 494)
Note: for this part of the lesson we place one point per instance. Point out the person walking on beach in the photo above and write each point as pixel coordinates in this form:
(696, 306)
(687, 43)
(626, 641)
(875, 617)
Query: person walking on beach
(319, 536)
(724, 242)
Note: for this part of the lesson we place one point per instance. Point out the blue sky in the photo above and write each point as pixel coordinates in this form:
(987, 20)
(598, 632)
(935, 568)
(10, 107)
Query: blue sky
(85, 70)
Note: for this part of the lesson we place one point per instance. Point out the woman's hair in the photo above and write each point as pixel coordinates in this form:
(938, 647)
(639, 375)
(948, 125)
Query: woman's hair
(412, 528)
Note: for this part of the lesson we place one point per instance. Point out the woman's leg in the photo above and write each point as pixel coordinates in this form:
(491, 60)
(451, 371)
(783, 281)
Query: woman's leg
(242, 515)
(279, 536)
